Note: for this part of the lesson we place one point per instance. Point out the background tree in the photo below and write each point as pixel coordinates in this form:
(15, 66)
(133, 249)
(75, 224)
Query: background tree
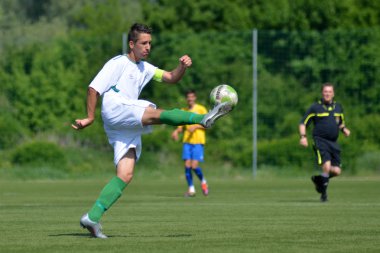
(51, 50)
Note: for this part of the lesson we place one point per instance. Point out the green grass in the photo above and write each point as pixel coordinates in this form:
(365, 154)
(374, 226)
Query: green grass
(240, 215)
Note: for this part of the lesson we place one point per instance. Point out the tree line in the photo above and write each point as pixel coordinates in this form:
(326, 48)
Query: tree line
(51, 50)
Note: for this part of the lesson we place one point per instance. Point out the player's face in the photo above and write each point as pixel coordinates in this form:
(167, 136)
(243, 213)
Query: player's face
(190, 98)
(328, 94)
(141, 48)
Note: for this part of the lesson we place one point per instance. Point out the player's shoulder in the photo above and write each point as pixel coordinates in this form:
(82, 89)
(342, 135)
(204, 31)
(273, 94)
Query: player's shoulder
(146, 66)
(118, 60)
(316, 105)
(338, 105)
(200, 107)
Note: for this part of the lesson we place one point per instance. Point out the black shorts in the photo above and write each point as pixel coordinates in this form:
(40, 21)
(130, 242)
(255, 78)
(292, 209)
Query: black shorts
(326, 150)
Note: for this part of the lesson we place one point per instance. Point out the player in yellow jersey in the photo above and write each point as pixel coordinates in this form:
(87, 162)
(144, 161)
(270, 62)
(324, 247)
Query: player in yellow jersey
(194, 139)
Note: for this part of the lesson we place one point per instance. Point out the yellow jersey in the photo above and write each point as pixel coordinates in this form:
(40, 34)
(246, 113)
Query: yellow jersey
(199, 135)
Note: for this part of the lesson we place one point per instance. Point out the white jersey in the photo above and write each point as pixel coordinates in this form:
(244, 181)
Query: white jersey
(120, 82)
(124, 76)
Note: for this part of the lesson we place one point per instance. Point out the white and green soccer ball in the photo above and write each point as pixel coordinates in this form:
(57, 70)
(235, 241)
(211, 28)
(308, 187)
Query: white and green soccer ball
(223, 93)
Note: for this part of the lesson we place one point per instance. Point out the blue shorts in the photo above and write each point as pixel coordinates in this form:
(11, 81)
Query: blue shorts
(193, 152)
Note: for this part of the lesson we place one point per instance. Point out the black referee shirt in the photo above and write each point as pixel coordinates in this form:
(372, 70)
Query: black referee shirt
(326, 119)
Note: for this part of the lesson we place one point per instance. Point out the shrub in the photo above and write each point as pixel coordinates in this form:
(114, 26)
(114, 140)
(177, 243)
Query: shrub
(40, 153)
(285, 152)
(369, 161)
(11, 131)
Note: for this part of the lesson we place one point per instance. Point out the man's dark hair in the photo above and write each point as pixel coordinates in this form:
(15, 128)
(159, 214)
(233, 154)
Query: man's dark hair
(327, 85)
(136, 29)
(190, 92)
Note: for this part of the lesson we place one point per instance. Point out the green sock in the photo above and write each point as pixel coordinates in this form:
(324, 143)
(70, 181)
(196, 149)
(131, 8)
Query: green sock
(178, 117)
(108, 196)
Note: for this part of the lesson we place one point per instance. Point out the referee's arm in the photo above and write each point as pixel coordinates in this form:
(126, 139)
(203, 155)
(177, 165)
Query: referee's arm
(303, 138)
(342, 124)
(305, 121)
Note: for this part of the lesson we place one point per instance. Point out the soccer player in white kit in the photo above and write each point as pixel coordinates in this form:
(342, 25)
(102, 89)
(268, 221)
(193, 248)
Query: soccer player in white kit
(125, 117)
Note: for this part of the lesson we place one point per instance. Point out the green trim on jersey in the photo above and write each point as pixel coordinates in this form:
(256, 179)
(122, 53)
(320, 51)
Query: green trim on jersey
(158, 75)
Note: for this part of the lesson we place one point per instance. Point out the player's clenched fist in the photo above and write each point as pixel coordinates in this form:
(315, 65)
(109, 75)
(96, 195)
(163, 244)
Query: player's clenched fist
(303, 141)
(185, 61)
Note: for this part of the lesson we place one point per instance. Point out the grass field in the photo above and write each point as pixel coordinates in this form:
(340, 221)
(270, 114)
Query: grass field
(241, 215)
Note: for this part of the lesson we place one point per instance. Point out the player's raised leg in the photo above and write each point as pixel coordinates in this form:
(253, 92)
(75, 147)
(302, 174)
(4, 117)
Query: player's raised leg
(176, 117)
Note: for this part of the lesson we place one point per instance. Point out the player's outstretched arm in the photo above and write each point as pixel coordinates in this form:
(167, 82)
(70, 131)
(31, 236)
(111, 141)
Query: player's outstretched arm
(175, 75)
(92, 99)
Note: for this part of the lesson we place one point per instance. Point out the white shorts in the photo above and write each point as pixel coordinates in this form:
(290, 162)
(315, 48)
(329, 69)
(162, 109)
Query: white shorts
(122, 123)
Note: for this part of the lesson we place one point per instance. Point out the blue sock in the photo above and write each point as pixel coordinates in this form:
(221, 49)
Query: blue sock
(189, 176)
(198, 172)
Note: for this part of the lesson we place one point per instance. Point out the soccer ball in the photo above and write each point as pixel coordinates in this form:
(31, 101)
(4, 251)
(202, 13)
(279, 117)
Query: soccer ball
(223, 93)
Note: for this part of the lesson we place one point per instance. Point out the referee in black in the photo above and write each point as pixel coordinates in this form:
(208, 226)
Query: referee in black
(328, 119)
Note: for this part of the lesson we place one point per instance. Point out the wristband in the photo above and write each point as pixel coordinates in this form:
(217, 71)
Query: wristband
(303, 135)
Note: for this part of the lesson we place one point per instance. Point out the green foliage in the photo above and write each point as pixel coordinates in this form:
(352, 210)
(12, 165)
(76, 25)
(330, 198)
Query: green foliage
(366, 130)
(369, 161)
(51, 50)
(190, 16)
(84, 162)
(42, 83)
(40, 154)
(11, 131)
(286, 152)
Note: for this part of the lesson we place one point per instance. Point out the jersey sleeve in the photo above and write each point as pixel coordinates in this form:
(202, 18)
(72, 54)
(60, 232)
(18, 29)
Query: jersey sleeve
(158, 75)
(202, 110)
(310, 113)
(339, 114)
(150, 71)
(108, 75)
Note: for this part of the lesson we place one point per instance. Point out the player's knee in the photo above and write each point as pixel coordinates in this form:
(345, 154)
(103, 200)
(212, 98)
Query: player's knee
(187, 163)
(127, 177)
(194, 164)
(337, 171)
(326, 167)
(151, 116)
